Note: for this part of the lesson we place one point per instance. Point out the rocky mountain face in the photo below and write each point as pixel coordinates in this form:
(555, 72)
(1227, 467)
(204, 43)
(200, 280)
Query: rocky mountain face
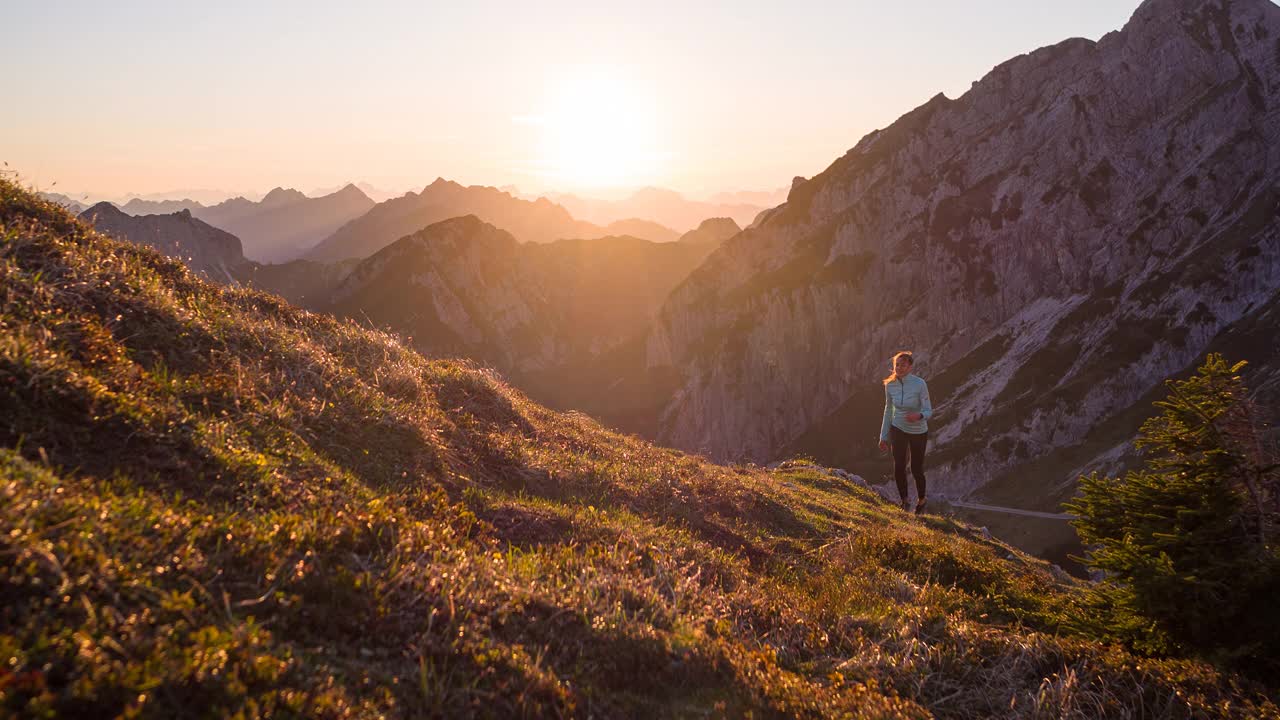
(387, 222)
(659, 205)
(463, 287)
(217, 254)
(1087, 220)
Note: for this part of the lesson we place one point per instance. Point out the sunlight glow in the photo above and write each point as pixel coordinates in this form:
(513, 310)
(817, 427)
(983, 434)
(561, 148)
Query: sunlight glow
(598, 132)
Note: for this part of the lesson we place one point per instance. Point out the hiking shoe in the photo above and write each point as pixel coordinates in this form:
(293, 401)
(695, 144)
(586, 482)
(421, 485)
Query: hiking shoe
(906, 505)
(920, 506)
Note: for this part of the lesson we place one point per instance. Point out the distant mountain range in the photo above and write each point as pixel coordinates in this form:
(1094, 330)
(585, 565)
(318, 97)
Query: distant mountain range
(139, 206)
(286, 224)
(280, 227)
(374, 192)
(666, 207)
(537, 221)
(460, 287)
(644, 229)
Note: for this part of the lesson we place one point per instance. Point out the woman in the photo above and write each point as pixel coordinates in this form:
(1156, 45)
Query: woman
(905, 427)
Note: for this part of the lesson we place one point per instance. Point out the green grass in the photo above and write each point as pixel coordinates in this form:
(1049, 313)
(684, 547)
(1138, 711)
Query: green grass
(215, 504)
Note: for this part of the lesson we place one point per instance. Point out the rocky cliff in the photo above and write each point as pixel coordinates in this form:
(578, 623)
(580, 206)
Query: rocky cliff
(1085, 221)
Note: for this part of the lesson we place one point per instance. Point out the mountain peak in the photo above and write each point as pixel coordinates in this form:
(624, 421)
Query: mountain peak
(351, 192)
(103, 208)
(440, 184)
(713, 230)
(1210, 23)
(281, 195)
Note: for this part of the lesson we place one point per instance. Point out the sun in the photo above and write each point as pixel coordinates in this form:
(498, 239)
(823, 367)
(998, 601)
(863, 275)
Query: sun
(599, 132)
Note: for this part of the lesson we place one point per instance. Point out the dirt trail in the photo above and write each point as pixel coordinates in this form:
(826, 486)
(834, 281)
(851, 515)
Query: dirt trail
(1013, 511)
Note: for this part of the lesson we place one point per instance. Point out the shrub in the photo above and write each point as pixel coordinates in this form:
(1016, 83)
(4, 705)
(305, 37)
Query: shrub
(1188, 544)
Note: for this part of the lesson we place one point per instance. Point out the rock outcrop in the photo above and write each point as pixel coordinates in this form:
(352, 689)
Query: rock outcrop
(1087, 220)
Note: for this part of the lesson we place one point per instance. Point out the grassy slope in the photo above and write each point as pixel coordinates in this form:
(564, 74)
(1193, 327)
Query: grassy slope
(213, 502)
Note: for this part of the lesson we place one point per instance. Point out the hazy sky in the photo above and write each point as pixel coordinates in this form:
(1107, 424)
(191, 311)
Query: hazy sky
(582, 96)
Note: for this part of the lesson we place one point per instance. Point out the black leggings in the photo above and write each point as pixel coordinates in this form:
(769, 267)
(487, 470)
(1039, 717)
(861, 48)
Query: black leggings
(902, 442)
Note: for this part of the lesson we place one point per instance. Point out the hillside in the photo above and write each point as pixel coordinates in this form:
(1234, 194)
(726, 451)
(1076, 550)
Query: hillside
(387, 222)
(1087, 220)
(213, 502)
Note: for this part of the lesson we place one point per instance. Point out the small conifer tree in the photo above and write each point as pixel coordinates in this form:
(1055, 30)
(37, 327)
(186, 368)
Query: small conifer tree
(1188, 544)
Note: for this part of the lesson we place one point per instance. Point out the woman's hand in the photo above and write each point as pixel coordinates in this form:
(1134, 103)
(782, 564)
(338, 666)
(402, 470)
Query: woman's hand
(915, 417)
(884, 446)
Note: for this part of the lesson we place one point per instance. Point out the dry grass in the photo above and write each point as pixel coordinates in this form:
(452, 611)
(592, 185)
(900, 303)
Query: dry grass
(214, 503)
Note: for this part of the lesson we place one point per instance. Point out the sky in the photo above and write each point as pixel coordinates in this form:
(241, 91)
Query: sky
(576, 96)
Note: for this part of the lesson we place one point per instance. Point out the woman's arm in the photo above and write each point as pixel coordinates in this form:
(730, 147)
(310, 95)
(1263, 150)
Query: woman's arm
(888, 415)
(926, 407)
